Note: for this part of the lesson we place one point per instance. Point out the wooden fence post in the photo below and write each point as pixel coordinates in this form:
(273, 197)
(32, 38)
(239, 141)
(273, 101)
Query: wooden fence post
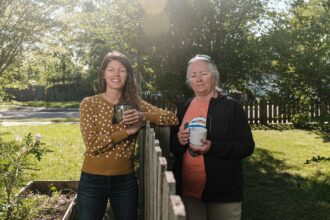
(163, 135)
(158, 185)
(177, 210)
(161, 169)
(169, 189)
(157, 177)
(263, 111)
(141, 179)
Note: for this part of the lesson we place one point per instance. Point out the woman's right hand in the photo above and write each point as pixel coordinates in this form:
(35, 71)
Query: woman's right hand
(183, 135)
(134, 128)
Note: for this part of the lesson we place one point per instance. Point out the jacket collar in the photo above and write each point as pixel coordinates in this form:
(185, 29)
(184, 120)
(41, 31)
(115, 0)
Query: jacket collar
(213, 101)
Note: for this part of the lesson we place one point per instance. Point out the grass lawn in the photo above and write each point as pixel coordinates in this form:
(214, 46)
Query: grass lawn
(16, 104)
(52, 120)
(65, 141)
(278, 182)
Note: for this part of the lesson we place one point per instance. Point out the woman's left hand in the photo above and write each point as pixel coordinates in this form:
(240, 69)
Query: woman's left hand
(132, 117)
(201, 149)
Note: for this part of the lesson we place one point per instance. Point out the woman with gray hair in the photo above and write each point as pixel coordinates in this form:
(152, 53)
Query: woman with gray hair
(212, 138)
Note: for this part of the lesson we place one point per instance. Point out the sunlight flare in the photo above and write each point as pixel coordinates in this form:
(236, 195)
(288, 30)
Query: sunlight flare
(154, 25)
(153, 6)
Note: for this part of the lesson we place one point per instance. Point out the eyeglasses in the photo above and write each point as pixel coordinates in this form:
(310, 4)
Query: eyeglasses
(203, 56)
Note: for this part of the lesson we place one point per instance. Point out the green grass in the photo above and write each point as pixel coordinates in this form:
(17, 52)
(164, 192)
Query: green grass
(278, 182)
(72, 104)
(64, 163)
(53, 120)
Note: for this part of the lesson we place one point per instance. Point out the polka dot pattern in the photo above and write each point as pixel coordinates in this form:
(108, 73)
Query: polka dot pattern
(107, 141)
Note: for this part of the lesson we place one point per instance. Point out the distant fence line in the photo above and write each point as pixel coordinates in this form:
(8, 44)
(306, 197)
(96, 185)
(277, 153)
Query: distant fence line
(72, 92)
(267, 112)
(257, 111)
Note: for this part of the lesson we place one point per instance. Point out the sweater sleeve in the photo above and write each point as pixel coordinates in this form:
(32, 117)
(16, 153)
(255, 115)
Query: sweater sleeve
(95, 140)
(241, 145)
(157, 115)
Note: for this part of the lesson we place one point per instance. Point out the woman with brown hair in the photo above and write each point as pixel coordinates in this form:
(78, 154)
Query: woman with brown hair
(108, 167)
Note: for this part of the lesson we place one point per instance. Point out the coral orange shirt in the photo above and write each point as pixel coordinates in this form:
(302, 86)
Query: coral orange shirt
(193, 168)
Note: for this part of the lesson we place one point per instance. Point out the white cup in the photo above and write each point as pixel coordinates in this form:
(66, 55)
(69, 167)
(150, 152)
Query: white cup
(197, 134)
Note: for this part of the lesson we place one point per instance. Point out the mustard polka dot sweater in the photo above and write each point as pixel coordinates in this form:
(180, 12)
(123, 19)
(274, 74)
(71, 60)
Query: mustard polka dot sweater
(109, 149)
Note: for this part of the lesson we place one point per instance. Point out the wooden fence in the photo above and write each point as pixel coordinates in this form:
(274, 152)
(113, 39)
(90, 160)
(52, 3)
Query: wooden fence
(157, 185)
(265, 112)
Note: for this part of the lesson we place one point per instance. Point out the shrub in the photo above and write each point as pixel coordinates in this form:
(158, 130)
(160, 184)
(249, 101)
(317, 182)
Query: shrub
(301, 120)
(15, 157)
(323, 123)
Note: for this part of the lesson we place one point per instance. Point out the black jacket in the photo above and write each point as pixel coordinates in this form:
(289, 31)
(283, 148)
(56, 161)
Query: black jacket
(231, 141)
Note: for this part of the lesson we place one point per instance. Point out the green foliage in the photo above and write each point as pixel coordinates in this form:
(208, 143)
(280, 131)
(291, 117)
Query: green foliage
(301, 120)
(65, 140)
(299, 52)
(284, 53)
(218, 28)
(14, 161)
(323, 123)
(22, 24)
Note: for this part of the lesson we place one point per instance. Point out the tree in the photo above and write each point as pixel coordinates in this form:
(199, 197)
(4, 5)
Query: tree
(299, 53)
(22, 23)
(222, 29)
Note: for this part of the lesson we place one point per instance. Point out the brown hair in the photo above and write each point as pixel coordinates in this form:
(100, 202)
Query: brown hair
(130, 90)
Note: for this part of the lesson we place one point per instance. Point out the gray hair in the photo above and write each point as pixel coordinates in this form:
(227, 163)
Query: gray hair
(212, 67)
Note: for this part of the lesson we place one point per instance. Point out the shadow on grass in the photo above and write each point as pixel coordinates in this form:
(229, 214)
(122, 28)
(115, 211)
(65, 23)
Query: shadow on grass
(325, 136)
(279, 127)
(65, 120)
(273, 194)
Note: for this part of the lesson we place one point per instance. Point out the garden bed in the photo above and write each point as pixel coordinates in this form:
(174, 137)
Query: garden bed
(51, 199)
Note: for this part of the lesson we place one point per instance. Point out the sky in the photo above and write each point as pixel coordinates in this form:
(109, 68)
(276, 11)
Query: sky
(280, 5)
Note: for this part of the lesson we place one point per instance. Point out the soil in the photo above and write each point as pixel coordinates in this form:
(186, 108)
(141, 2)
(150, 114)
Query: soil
(50, 207)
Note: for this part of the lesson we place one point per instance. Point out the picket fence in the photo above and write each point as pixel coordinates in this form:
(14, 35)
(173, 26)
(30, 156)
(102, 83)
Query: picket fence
(266, 112)
(158, 200)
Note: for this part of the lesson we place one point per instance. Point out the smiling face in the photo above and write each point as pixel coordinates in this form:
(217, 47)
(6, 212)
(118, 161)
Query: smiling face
(200, 78)
(115, 75)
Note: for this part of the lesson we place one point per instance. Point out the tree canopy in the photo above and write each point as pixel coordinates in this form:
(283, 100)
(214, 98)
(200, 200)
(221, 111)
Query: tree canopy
(58, 42)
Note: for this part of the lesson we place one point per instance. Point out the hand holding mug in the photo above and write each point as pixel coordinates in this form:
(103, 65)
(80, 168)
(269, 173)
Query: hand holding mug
(203, 149)
(132, 117)
(134, 128)
(183, 135)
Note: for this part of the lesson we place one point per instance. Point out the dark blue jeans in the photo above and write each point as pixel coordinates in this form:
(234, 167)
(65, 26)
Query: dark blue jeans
(94, 191)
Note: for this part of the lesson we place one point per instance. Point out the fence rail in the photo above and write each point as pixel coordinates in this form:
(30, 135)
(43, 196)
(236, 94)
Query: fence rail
(265, 112)
(158, 200)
